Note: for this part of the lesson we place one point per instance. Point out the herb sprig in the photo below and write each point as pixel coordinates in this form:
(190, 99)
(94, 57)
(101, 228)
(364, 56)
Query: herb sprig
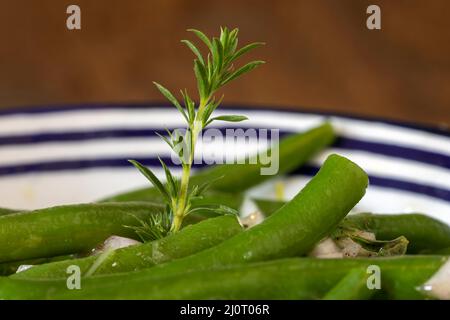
(212, 72)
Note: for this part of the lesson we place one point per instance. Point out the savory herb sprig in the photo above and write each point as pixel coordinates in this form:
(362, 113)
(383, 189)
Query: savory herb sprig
(212, 72)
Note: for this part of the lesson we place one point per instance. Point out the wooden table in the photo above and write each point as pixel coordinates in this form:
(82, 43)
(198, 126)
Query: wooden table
(319, 54)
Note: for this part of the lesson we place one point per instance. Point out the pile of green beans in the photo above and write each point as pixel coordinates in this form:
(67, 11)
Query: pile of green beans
(284, 234)
(214, 257)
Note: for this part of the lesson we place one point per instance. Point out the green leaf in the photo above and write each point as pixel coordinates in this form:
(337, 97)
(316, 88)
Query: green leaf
(248, 67)
(202, 80)
(202, 37)
(156, 227)
(166, 140)
(195, 198)
(226, 210)
(228, 118)
(245, 49)
(190, 106)
(217, 55)
(194, 191)
(369, 245)
(209, 67)
(397, 246)
(210, 109)
(171, 98)
(169, 133)
(152, 178)
(219, 209)
(194, 50)
(205, 186)
(171, 183)
(224, 37)
(233, 42)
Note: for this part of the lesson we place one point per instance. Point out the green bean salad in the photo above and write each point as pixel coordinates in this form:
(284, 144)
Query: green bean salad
(184, 237)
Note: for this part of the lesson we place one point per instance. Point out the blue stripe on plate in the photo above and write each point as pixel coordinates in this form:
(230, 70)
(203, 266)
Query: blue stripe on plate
(44, 137)
(431, 191)
(114, 106)
(305, 170)
(428, 157)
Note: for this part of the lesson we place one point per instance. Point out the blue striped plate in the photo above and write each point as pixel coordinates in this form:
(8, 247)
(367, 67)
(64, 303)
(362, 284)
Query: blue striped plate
(78, 154)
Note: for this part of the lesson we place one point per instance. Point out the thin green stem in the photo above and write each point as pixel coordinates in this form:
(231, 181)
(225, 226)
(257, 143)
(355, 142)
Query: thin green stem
(183, 206)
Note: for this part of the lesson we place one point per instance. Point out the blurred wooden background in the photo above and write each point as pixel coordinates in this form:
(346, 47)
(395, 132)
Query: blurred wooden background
(319, 53)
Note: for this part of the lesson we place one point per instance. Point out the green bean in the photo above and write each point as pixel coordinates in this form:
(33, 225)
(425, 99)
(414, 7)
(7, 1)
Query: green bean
(425, 234)
(294, 151)
(352, 286)
(67, 229)
(297, 278)
(189, 240)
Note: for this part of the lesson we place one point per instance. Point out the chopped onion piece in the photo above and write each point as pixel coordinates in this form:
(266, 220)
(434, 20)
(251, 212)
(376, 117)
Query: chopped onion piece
(24, 267)
(113, 243)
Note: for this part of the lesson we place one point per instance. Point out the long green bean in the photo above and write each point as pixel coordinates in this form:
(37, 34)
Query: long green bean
(67, 229)
(297, 278)
(294, 151)
(189, 240)
(425, 234)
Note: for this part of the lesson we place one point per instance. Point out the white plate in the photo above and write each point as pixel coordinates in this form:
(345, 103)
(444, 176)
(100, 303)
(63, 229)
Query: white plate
(78, 154)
